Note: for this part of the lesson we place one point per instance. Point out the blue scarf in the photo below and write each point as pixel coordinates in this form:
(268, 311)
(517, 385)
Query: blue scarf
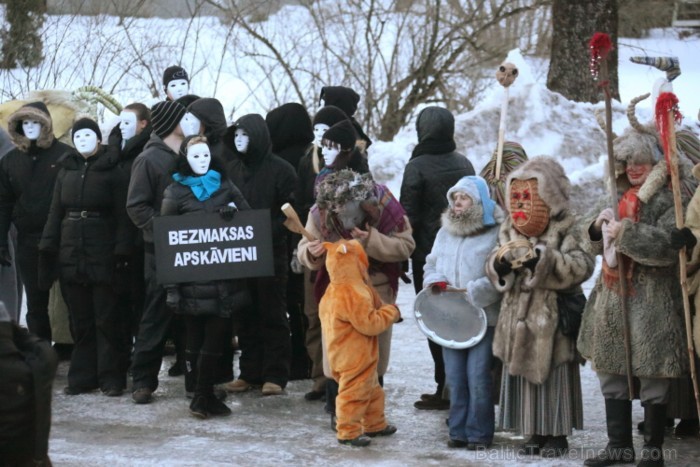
(203, 186)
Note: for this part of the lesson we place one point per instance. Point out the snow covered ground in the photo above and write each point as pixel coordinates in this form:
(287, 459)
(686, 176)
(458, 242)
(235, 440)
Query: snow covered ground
(94, 430)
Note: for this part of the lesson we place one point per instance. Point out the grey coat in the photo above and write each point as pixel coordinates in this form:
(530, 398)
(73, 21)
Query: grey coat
(655, 307)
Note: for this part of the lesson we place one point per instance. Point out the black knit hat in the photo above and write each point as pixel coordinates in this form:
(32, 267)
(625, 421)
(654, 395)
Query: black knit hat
(174, 72)
(329, 115)
(88, 123)
(342, 134)
(40, 106)
(165, 116)
(340, 96)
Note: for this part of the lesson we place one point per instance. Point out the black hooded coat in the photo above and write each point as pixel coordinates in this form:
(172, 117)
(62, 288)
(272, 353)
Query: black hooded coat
(266, 181)
(210, 112)
(290, 131)
(433, 169)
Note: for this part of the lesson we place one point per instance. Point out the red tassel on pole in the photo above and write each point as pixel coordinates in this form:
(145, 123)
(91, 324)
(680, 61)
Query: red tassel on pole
(600, 46)
(666, 103)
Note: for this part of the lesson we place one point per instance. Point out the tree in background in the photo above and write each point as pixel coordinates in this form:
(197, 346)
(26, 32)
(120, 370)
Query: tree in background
(574, 22)
(21, 40)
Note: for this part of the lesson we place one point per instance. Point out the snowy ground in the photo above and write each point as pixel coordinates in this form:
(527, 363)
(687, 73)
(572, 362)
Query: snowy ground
(94, 430)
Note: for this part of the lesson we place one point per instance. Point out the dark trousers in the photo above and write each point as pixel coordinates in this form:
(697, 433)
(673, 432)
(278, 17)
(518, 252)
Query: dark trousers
(435, 349)
(264, 333)
(153, 330)
(37, 300)
(206, 338)
(97, 328)
(300, 361)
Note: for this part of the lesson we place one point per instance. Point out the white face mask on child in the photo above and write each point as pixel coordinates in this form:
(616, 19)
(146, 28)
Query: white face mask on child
(199, 158)
(85, 141)
(31, 129)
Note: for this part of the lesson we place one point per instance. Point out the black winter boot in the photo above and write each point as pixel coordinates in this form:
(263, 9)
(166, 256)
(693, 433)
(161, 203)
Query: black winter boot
(654, 428)
(198, 406)
(190, 372)
(620, 449)
(208, 368)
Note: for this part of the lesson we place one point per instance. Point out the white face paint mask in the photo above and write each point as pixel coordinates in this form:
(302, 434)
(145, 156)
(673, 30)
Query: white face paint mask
(31, 129)
(177, 88)
(190, 125)
(127, 124)
(329, 155)
(85, 141)
(319, 130)
(199, 158)
(241, 140)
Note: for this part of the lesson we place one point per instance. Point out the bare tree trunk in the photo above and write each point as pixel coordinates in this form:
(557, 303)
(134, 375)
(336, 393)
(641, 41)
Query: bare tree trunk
(574, 23)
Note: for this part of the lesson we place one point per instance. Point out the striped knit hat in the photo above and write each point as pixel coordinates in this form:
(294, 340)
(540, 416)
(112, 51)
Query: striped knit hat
(165, 116)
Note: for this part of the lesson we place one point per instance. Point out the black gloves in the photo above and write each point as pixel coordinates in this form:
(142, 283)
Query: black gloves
(532, 262)
(227, 212)
(683, 238)
(172, 298)
(5, 258)
(48, 270)
(502, 267)
(122, 271)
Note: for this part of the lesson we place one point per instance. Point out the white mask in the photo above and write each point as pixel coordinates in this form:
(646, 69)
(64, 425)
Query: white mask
(85, 141)
(127, 124)
(329, 155)
(241, 140)
(31, 129)
(199, 158)
(177, 88)
(190, 125)
(319, 130)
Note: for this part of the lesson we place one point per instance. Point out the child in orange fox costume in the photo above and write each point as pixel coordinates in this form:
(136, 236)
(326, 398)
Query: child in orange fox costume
(352, 316)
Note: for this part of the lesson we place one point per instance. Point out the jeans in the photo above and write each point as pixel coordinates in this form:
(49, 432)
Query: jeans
(468, 373)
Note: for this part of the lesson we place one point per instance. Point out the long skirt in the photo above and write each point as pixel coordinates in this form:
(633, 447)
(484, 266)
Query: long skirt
(552, 408)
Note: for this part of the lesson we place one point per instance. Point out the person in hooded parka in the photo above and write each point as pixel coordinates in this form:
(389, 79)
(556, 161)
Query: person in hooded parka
(209, 114)
(433, 168)
(267, 182)
(292, 137)
(27, 176)
(87, 241)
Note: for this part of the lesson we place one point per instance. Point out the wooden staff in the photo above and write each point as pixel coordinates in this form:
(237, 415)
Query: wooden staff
(293, 222)
(600, 46)
(505, 75)
(666, 115)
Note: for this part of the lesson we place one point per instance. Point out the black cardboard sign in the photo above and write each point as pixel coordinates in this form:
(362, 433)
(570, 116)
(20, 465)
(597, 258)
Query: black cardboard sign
(204, 247)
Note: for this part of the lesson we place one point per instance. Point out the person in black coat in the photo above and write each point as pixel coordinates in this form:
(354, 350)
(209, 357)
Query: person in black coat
(150, 176)
(201, 186)
(27, 176)
(125, 142)
(28, 367)
(87, 238)
(434, 167)
(346, 99)
(267, 182)
(212, 123)
(292, 137)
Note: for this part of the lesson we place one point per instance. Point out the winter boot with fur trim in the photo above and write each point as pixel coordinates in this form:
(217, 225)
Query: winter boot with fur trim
(620, 449)
(654, 428)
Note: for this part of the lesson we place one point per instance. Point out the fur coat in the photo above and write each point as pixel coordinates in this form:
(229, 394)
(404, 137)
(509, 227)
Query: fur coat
(655, 306)
(527, 337)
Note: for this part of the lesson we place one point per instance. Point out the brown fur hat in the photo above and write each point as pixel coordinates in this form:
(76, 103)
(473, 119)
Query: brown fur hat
(32, 111)
(553, 185)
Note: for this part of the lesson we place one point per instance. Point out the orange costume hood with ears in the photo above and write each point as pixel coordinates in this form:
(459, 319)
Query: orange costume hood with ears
(352, 314)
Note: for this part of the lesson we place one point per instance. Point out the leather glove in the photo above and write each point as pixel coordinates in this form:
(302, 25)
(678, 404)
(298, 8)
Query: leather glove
(502, 267)
(47, 270)
(5, 257)
(437, 287)
(227, 212)
(295, 264)
(532, 262)
(683, 238)
(172, 298)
